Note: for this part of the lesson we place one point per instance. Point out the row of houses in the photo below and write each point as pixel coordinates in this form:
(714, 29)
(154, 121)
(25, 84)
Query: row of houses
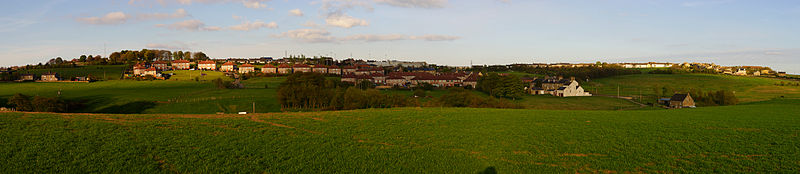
(51, 77)
(412, 79)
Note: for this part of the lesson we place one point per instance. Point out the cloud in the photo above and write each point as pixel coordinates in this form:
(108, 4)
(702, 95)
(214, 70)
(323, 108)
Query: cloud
(323, 36)
(344, 21)
(180, 13)
(247, 26)
(414, 3)
(773, 53)
(308, 35)
(112, 18)
(190, 25)
(173, 46)
(295, 12)
(254, 4)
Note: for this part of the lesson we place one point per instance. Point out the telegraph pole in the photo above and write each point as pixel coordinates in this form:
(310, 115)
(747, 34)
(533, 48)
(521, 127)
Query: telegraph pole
(254, 107)
(617, 91)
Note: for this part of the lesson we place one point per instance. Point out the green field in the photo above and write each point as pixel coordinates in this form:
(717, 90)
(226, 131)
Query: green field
(752, 138)
(110, 72)
(747, 89)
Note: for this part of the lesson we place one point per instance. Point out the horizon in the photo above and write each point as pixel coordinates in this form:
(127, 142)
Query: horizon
(485, 32)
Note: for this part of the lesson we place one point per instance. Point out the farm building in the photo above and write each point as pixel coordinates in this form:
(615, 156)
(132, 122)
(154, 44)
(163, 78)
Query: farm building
(781, 74)
(50, 77)
(228, 67)
(246, 68)
(138, 70)
(681, 101)
(152, 71)
(322, 69)
(207, 65)
(557, 87)
(269, 69)
(181, 64)
(740, 72)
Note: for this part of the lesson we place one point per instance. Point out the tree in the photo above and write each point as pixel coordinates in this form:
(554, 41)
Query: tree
(365, 84)
(83, 58)
(187, 55)
(200, 56)
(419, 93)
(508, 86)
(115, 57)
(20, 102)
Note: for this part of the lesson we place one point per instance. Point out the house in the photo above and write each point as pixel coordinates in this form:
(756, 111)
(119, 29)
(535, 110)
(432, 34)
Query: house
(152, 71)
(182, 64)
(269, 69)
(472, 80)
(334, 70)
(284, 69)
(228, 67)
(83, 78)
(349, 70)
(740, 72)
(207, 65)
(138, 70)
(50, 77)
(781, 74)
(247, 68)
(301, 68)
(681, 101)
(160, 65)
(322, 69)
(765, 72)
(728, 71)
(757, 73)
(26, 77)
(557, 87)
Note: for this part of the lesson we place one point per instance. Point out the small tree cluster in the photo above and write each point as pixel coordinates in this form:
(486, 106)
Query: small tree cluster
(508, 86)
(457, 97)
(37, 103)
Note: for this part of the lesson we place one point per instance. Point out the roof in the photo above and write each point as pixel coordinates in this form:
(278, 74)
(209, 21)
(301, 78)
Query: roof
(139, 67)
(300, 66)
(679, 97)
(284, 66)
(320, 66)
(229, 63)
(151, 69)
(268, 66)
(159, 62)
(50, 73)
(186, 61)
(246, 65)
(562, 88)
(205, 62)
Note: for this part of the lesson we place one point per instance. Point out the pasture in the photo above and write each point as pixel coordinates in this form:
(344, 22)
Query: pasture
(751, 138)
(747, 89)
(101, 72)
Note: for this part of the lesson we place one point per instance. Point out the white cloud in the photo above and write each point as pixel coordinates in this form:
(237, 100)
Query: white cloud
(247, 26)
(295, 12)
(344, 21)
(180, 13)
(414, 3)
(190, 25)
(254, 4)
(308, 35)
(310, 24)
(321, 35)
(109, 19)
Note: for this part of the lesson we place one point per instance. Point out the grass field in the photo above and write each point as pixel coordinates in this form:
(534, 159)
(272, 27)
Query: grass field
(751, 138)
(747, 89)
(110, 72)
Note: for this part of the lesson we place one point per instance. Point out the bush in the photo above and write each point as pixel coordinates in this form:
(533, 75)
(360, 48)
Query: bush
(419, 93)
(458, 97)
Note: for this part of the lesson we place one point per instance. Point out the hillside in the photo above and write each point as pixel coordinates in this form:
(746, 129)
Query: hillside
(747, 89)
(758, 137)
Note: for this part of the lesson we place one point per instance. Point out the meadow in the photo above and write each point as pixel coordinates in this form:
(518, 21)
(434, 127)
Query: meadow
(101, 72)
(760, 137)
(747, 89)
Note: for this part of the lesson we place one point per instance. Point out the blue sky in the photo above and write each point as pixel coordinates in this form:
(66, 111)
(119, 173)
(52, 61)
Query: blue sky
(728, 32)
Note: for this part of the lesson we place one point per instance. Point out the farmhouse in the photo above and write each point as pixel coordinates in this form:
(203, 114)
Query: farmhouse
(50, 77)
(160, 65)
(681, 101)
(740, 72)
(781, 74)
(472, 80)
(181, 64)
(557, 87)
(284, 69)
(138, 70)
(246, 68)
(207, 65)
(152, 71)
(228, 67)
(301, 68)
(26, 77)
(269, 69)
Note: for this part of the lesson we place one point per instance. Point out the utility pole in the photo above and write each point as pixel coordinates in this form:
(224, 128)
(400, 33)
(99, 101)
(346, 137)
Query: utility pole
(617, 91)
(254, 107)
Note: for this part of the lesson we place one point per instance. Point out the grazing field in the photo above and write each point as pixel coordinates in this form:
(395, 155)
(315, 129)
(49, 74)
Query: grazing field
(747, 89)
(110, 72)
(187, 75)
(758, 137)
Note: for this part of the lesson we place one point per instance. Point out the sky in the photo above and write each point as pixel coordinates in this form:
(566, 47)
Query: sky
(446, 32)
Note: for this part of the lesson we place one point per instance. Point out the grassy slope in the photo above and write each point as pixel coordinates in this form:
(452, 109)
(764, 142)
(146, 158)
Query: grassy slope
(748, 89)
(760, 137)
(111, 72)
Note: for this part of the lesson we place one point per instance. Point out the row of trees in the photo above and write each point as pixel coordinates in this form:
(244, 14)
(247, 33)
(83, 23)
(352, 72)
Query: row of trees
(314, 91)
(701, 98)
(458, 97)
(146, 55)
(38, 103)
(508, 86)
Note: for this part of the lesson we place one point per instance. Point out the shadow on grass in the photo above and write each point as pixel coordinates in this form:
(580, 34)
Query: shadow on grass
(488, 170)
(137, 107)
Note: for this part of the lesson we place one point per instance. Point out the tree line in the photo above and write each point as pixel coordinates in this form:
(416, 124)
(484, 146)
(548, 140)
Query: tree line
(23, 102)
(313, 91)
(506, 86)
(700, 97)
